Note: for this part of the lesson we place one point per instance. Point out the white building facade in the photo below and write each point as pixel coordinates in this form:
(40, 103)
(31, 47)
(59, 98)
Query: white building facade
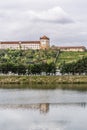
(70, 48)
(44, 43)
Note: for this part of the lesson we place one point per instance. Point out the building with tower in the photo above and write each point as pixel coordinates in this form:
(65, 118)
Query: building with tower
(43, 43)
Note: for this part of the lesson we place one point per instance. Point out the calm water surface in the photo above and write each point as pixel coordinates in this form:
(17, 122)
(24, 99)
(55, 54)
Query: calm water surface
(43, 109)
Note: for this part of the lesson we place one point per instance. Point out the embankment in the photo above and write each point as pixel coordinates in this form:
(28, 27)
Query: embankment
(43, 79)
(44, 82)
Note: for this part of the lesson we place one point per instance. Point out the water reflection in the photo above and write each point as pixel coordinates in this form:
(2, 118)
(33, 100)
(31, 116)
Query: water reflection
(43, 110)
(43, 116)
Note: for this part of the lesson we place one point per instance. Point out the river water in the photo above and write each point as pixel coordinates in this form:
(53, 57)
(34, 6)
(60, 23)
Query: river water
(30, 109)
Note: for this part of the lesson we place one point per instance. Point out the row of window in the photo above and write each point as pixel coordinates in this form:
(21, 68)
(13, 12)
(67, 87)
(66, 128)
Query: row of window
(16, 46)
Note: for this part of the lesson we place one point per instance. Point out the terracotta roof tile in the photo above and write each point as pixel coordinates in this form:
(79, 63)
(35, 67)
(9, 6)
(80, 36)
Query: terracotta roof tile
(69, 47)
(44, 37)
(20, 42)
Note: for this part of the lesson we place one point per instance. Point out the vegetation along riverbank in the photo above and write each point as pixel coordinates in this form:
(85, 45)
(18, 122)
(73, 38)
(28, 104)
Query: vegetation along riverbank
(44, 82)
(66, 79)
(29, 66)
(35, 62)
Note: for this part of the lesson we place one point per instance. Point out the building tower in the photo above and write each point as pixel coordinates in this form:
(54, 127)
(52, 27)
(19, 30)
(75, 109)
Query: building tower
(44, 42)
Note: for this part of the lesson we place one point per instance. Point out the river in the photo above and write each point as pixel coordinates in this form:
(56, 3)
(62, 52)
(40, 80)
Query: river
(31, 109)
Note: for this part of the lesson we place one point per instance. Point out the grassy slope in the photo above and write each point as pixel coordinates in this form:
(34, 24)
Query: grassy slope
(37, 56)
(50, 56)
(70, 57)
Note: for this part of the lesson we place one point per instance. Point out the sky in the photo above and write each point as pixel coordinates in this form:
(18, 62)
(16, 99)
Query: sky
(63, 21)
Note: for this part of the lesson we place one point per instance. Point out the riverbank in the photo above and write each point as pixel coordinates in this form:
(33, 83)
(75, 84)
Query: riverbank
(43, 79)
(44, 82)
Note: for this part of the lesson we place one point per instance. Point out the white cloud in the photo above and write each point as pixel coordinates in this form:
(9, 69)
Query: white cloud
(20, 24)
(54, 15)
(64, 21)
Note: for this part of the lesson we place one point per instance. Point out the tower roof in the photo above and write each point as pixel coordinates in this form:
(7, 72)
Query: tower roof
(44, 37)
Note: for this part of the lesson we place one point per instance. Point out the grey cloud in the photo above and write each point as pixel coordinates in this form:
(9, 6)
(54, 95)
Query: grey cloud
(14, 21)
(54, 15)
(64, 21)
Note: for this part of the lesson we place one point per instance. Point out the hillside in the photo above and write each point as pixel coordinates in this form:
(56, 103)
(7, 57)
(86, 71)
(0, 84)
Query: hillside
(38, 56)
(27, 56)
(70, 57)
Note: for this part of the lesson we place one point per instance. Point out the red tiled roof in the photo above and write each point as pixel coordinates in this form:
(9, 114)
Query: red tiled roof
(44, 37)
(69, 47)
(20, 42)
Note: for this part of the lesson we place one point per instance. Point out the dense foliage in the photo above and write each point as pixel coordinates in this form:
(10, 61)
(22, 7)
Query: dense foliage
(27, 61)
(79, 67)
(33, 62)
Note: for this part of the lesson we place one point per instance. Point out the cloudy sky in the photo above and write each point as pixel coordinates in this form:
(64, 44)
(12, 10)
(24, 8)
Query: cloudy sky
(63, 21)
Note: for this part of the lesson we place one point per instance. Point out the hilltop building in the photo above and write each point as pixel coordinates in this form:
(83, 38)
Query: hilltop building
(43, 43)
(70, 48)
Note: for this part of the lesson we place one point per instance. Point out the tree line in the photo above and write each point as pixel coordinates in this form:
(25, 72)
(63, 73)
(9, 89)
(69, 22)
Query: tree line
(30, 69)
(30, 62)
(79, 67)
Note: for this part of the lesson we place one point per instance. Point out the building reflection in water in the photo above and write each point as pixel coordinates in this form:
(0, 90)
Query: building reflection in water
(43, 107)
